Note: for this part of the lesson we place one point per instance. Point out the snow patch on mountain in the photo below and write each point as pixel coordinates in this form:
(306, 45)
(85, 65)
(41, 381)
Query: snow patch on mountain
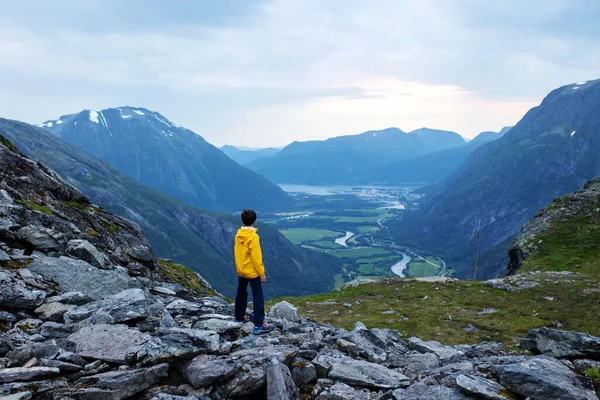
(123, 115)
(138, 112)
(94, 117)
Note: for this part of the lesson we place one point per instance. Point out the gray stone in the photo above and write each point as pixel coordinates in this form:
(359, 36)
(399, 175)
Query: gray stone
(341, 391)
(228, 328)
(127, 305)
(561, 344)
(20, 356)
(184, 307)
(584, 365)
(205, 370)
(18, 396)
(280, 385)
(374, 344)
(246, 383)
(303, 372)
(30, 325)
(79, 276)
(91, 342)
(257, 355)
(71, 358)
(117, 385)
(41, 238)
(74, 298)
(445, 353)
(284, 310)
(5, 316)
(366, 374)
(543, 378)
(4, 256)
(422, 392)
(480, 387)
(53, 311)
(178, 343)
(164, 291)
(54, 330)
(415, 362)
(63, 366)
(166, 396)
(347, 347)
(84, 250)
(14, 295)
(20, 374)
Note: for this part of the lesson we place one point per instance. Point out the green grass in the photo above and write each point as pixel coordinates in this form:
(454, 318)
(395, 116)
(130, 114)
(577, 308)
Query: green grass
(366, 228)
(178, 273)
(421, 268)
(433, 260)
(36, 207)
(360, 253)
(366, 269)
(339, 281)
(357, 220)
(300, 235)
(440, 311)
(325, 244)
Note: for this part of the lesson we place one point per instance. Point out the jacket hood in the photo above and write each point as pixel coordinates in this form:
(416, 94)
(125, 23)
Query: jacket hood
(245, 233)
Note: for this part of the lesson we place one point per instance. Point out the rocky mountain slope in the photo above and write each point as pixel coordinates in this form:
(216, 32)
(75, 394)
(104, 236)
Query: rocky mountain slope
(244, 156)
(552, 151)
(350, 159)
(201, 240)
(87, 312)
(148, 147)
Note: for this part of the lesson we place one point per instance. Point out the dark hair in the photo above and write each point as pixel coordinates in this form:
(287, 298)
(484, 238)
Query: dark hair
(248, 217)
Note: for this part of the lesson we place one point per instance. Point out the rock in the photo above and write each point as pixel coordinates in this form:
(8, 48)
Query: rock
(84, 250)
(20, 356)
(422, 392)
(341, 391)
(79, 276)
(366, 374)
(184, 307)
(347, 347)
(74, 298)
(280, 385)
(164, 291)
(20, 374)
(4, 256)
(374, 344)
(14, 295)
(5, 316)
(206, 370)
(63, 366)
(91, 342)
(415, 362)
(125, 306)
(284, 310)
(41, 238)
(30, 325)
(117, 385)
(543, 378)
(303, 373)
(18, 396)
(246, 383)
(227, 328)
(53, 311)
(54, 330)
(561, 344)
(178, 343)
(445, 353)
(584, 365)
(71, 358)
(479, 387)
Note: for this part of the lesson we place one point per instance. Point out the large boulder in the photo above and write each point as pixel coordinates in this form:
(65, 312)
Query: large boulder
(543, 378)
(53, 311)
(480, 387)
(284, 310)
(112, 343)
(280, 385)
(206, 370)
(420, 391)
(20, 374)
(366, 374)
(44, 239)
(79, 276)
(445, 353)
(562, 344)
(341, 391)
(14, 295)
(84, 250)
(177, 344)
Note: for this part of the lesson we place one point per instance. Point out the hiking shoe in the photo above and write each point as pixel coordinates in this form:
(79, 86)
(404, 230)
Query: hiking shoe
(266, 328)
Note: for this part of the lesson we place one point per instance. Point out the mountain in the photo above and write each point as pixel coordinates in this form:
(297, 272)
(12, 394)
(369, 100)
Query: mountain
(201, 240)
(245, 155)
(432, 167)
(552, 151)
(148, 147)
(350, 159)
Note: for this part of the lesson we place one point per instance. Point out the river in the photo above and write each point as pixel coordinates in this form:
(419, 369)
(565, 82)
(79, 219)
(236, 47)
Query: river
(401, 265)
(342, 240)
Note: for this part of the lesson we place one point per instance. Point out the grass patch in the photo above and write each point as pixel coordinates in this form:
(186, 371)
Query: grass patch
(593, 373)
(360, 253)
(300, 235)
(339, 281)
(441, 311)
(93, 233)
(421, 268)
(75, 204)
(178, 273)
(324, 244)
(36, 207)
(366, 228)
(15, 264)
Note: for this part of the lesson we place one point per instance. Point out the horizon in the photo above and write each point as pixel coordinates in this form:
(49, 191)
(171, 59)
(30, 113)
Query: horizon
(271, 72)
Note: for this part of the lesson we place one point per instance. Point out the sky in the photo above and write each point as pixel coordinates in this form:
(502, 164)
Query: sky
(268, 72)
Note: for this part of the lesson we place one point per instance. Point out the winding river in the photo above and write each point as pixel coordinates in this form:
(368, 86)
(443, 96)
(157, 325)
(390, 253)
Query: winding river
(342, 240)
(401, 265)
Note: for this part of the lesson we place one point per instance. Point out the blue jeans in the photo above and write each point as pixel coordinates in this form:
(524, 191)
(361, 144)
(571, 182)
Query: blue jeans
(241, 300)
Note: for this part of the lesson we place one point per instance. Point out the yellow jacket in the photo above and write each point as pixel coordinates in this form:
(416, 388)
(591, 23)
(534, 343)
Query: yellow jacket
(248, 255)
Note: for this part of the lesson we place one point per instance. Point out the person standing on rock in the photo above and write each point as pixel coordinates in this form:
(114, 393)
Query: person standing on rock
(250, 269)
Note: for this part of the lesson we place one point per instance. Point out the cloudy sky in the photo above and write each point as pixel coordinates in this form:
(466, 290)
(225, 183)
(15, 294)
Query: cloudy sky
(265, 73)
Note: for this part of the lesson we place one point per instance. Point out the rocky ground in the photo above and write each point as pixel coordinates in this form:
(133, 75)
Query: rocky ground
(87, 313)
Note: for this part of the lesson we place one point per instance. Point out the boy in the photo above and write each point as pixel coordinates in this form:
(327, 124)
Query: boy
(250, 268)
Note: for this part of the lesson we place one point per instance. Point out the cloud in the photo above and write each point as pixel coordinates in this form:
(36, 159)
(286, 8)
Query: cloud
(270, 72)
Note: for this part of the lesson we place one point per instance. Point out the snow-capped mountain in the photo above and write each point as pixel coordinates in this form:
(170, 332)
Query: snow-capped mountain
(150, 148)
